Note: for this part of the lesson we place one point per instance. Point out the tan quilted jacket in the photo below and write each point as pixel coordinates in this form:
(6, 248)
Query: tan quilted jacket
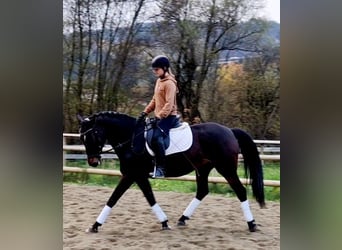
(163, 102)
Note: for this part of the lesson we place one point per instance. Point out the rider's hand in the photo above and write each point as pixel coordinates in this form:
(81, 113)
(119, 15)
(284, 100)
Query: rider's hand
(141, 117)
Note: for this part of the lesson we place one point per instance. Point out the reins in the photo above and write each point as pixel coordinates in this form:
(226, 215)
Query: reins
(86, 132)
(121, 144)
(146, 128)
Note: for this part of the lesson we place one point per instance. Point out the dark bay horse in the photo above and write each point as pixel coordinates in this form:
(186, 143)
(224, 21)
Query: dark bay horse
(214, 146)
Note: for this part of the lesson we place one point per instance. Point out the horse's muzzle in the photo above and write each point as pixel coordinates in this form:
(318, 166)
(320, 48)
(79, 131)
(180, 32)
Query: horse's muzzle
(94, 161)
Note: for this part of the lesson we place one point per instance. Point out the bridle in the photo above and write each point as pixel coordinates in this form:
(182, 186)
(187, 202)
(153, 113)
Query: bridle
(100, 151)
(118, 146)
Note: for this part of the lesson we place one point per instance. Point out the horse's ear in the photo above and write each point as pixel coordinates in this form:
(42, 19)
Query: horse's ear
(80, 118)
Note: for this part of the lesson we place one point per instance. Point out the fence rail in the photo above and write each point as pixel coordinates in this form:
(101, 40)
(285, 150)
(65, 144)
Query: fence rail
(107, 148)
(211, 179)
(266, 154)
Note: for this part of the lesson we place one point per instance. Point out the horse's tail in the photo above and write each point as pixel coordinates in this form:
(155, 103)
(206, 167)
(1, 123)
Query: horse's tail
(252, 163)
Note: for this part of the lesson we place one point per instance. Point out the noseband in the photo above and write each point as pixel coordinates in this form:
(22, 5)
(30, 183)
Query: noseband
(83, 135)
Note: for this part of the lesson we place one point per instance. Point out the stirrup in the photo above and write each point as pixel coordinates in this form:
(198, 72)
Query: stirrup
(157, 173)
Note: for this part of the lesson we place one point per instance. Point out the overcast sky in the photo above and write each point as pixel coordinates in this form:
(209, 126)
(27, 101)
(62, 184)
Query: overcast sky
(272, 10)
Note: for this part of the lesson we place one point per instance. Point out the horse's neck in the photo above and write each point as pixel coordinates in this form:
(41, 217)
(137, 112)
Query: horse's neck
(119, 133)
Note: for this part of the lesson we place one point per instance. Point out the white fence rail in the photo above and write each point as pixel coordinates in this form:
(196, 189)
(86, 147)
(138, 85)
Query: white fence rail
(269, 151)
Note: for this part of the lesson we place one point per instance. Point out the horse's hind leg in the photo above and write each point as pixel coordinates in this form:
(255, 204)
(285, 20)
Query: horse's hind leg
(241, 193)
(124, 183)
(202, 191)
(145, 187)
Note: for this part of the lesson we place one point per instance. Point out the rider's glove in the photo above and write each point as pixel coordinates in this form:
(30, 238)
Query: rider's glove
(141, 117)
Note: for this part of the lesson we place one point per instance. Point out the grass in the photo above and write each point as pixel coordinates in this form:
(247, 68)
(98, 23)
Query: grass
(271, 172)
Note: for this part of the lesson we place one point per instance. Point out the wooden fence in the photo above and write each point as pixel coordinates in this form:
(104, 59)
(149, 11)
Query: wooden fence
(269, 151)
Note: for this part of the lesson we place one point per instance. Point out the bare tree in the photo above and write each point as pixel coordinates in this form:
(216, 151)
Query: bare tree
(197, 32)
(99, 39)
(122, 55)
(77, 50)
(107, 55)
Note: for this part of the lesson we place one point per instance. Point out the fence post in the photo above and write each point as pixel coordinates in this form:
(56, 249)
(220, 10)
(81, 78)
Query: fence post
(261, 152)
(64, 143)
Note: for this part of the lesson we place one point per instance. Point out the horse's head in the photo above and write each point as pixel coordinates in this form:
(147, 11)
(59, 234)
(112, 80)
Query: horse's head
(93, 137)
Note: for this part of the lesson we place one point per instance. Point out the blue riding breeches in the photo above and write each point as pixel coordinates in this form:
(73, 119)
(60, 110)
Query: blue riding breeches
(159, 132)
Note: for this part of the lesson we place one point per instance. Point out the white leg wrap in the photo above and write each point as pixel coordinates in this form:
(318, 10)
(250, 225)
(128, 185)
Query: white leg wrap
(246, 211)
(104, 214)
(159, 213)
(191, 207)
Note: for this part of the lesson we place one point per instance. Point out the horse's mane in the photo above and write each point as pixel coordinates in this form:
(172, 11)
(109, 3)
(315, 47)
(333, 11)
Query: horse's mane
(107, 114)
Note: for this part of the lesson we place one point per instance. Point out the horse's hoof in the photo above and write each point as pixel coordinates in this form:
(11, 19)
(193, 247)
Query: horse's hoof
(92, 230)
(182, 219)
(252, 226)
(181, 223)
(166, 228)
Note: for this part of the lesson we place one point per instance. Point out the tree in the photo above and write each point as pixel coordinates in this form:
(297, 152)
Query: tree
(263, 93)
(248, 95)
(122, 55)
(77, 50)
(196, 33)
(224, 102)
(108, 46)
(98, 41)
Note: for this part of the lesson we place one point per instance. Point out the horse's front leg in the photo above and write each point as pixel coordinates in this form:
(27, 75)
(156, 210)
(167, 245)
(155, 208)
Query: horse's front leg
(124, 183)
(146, 188)
(202, 191)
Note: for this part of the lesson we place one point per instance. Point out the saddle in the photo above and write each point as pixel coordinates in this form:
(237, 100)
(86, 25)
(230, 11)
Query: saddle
(178, 140)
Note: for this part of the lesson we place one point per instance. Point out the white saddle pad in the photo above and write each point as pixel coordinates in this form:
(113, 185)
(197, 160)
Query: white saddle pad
(180, 140)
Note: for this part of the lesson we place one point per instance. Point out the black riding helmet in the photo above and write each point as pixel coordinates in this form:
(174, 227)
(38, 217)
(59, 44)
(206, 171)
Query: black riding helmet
(161, 62)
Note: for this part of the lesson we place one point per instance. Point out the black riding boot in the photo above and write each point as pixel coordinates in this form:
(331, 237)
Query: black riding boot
(159, 150)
